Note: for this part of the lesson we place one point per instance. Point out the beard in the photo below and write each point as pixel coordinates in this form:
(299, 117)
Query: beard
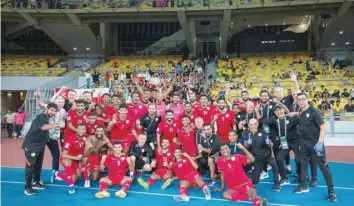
(99, 136)
(221, 107)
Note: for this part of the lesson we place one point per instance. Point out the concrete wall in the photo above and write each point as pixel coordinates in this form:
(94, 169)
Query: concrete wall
(15, 83)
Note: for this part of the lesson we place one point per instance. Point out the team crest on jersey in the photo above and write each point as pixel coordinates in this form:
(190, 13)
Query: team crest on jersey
(143, 150)
(183, 161)
(174, 124)
(208, 108)
(307, 115)
(33, 154)
(95, 125)
(123, 158)
(168, 154)
(140, 107)
(84, 116)
(287, 121)
(233, 158)
(69, 117)
(227, 115)
(259, 134)
(147, 118)
(211, 141)
(238, 116)
(127, 121)
(156, 119)
(270, 106)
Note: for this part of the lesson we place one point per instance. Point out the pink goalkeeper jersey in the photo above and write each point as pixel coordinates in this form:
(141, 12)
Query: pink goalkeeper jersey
(20, 118)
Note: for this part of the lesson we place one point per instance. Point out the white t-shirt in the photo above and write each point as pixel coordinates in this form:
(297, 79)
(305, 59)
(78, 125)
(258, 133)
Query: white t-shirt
(10, 118)
(87, 75)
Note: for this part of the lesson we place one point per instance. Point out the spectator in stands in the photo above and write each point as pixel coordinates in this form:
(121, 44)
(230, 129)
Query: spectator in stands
(20, 116)
(48, 63)
(349, 107)
(9, 120)
(88, 77)
(108, 79)
(345, 93)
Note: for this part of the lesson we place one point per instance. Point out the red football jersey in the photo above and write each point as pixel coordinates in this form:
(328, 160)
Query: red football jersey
(136, 111)
(110, 111)
(91, 128)
(188, 140)
(168, 131)
(75, 120)
(117, 165)
(122, 129)
(183, 168)
(163, 157)
(224, 124)
(233, 170)
(191, 117)
(74, 146)
(206, 113)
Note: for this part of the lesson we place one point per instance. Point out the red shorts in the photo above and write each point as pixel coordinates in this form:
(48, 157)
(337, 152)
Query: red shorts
(243, 188)
(75, 166)
(192, 178)
(163, 172)
(94, 161)
(116, 179)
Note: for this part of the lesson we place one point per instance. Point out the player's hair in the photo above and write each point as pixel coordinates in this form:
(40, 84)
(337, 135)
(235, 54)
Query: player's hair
(153, 90)
(233, 131)
(176, 94)
(302, 94)
(185, 116)
(207, 124)
(244, 92)
(178, 149)
(152, 104)
(80, 101)
(106, 94)
(81, 125)
(142, 135)
(87, 92)
(134, 93)
(165, 139)
(263, 91)
(169, 111)
(99, 127)
(71, 90)
(117, 142)
(100, 107)
(114, 95)
(221, 98)
(123, 106)
(52, 105)
(224, 144)
(92, 114)
(203, 95)
(187, 103)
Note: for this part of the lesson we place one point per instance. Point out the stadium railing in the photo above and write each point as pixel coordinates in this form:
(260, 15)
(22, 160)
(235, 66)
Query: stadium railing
(153, 4)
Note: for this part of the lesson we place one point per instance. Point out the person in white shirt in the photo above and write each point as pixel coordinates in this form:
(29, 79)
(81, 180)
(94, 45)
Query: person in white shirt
(88, 77)
(9, 120)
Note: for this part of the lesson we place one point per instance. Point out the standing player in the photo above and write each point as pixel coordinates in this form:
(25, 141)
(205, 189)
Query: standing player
(95, 146)
(239, 186)
(122, 128)
(117, 164)
(205, 110)
(167, 129)
(136, 109)
(185, 169)
(76, 117)
(73, 154)
(313, 132)
(176, 107)
(187, 138)
(163, 167)
(92, 123)
(225, 121)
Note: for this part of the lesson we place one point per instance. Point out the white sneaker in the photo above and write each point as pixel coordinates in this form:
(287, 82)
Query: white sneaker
(264, 175)
(179, 198)
(87, 184)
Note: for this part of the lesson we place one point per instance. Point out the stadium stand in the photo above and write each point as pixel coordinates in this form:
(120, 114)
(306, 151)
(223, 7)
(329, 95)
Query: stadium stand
(30, 66)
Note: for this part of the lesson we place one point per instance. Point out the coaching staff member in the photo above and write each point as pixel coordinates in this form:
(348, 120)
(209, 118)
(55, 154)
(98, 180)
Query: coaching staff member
(34, 145)
(313, 131)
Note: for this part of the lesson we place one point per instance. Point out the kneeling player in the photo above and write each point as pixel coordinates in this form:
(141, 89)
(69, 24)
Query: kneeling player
(163, 167)
(96, 146)
(240, 187)
(71, 157)
(185, 169)
(140, 155)
(117, 164)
